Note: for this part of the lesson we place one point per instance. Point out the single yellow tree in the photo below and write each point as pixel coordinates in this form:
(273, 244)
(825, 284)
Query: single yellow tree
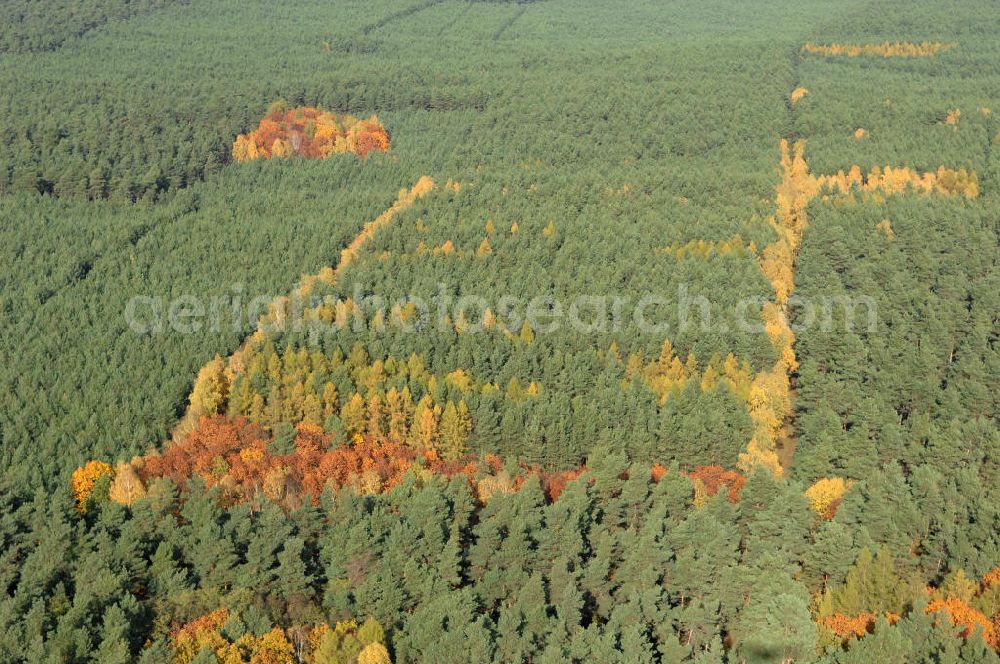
(400, 407)
(127, 487)
(331, 403)
(527, 335)
(825, 492)
(352, 415)
(274, 648)
(424, 433)
(374, 653)
(456, 425)
(281, 148)
(312, 410)
(211, 388)
(376, 417)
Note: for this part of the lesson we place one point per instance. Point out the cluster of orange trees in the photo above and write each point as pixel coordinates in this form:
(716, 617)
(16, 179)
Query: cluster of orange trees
(848, 627)
(310, 132)
(885, 49)
(246, 464)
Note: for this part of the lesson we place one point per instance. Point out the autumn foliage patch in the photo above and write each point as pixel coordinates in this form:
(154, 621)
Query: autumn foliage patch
(241, 460)
(311, 133)
(345, 641)
(848, 627)
(85, 478)
(237, 456)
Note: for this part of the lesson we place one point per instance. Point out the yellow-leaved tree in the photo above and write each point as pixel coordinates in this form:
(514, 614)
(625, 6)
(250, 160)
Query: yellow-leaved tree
(127, 487)
(211, 388)
(274, 648)
(374, 653)
(826, 493)
(425, 433)
(353, 416)
(456, 425)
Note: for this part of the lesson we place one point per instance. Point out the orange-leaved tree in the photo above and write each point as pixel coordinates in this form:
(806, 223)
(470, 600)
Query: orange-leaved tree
(85, 478)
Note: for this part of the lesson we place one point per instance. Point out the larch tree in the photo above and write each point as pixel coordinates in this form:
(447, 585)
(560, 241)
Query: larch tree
(376, 417)
(331, 402)
(352, 416)
(455, 429)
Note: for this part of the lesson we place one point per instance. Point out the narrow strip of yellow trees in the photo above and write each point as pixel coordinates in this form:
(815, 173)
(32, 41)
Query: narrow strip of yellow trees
(885, 49)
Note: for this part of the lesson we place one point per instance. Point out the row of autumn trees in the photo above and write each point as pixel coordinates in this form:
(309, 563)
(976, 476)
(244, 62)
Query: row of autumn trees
(292, 467)
(885, 49)
(222, 636)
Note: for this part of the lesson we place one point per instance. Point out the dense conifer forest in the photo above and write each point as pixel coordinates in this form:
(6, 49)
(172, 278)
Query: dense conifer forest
(462, 331)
